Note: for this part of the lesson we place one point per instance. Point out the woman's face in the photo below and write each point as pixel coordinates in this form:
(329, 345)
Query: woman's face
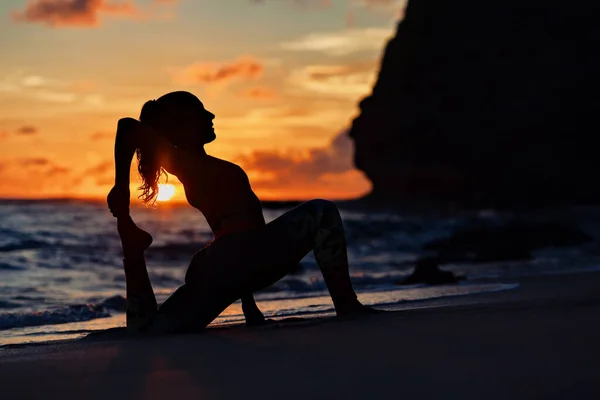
(193, 126)
(205, 128)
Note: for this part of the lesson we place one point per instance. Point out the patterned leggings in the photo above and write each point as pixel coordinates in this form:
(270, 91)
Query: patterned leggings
(245, 262)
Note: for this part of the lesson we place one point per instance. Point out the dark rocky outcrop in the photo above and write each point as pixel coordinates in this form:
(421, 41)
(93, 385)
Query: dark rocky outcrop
(481, 103)
(514, 240)
(428, 271)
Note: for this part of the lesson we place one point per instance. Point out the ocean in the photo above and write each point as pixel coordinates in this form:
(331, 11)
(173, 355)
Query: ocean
(62, 277)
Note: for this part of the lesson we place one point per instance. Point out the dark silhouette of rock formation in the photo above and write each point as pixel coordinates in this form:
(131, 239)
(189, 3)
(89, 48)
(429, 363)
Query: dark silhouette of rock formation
(481, 103)
(428, 271)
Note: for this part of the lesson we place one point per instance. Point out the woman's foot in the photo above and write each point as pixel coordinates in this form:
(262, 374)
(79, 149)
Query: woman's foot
(140, 312)
(354, 309)
(133, 239)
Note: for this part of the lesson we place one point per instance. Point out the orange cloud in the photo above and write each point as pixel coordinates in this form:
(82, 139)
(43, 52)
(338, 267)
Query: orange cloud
(78, 13)
(259, 93)
(318, 171)
(27, 130)
(100, 168)
(34, 162)
(71, 12)
(31, 176)
(355, 79)
(244, 68)
(303, 165)
(340, 43)
(102, 136)
(57, 170)
(39, 165)
(100, 173)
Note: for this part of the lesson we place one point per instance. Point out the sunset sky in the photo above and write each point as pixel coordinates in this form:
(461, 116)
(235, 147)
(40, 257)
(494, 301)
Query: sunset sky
(282, 76)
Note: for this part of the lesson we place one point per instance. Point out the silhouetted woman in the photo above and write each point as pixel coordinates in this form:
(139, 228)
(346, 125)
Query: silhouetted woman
(246, 255)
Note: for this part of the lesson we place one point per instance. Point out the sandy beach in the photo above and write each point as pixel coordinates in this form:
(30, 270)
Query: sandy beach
(537, 341)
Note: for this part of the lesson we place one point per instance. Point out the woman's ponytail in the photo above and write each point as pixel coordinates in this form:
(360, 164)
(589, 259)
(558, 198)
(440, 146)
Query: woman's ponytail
(149, 165)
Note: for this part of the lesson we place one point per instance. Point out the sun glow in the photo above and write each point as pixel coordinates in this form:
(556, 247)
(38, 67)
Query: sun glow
(165, 192)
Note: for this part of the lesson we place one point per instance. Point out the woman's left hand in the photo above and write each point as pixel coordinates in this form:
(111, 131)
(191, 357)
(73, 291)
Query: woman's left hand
(118, 201)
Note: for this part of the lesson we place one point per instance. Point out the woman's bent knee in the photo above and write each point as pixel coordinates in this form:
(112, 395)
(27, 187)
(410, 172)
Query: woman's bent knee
(323, 206)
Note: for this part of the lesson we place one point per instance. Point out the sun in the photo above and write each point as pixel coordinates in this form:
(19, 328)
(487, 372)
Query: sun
(165, 192)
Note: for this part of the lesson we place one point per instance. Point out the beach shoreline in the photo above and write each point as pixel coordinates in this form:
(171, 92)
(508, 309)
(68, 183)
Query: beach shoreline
(536, 341)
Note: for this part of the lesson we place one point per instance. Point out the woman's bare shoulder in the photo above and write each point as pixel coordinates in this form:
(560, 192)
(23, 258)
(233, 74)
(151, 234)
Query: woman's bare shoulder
(228, 170)
(225, 165)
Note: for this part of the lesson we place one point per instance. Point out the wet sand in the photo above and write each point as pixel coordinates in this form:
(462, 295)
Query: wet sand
(540, 341)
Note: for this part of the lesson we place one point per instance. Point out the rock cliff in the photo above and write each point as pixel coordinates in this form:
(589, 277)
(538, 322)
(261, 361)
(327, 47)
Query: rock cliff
(481, 103)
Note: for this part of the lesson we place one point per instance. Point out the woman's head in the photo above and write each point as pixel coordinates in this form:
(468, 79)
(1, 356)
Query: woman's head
(181, 119)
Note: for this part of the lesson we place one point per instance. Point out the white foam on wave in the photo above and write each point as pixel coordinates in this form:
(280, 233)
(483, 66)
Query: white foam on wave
(323, 306)
(307, 307)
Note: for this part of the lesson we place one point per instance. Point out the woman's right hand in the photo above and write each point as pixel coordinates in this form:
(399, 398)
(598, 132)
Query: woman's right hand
(118, 201)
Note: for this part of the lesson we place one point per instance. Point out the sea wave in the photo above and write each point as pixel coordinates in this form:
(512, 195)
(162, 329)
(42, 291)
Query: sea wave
(74, 313)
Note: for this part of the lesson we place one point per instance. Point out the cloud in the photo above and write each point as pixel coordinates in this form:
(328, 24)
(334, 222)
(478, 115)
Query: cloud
(245, 68)
(57, 170)
(100, 168)
(33, 176)
(102, 136)
(33, 161)
(259, 93)
(347, 41)
(317, 172)
(40, 165)
(302, 165)
(259, 124)
(80, 13)
(101, 173)
(50, 90)
(27, 130)
(34, 81)
(338, 80)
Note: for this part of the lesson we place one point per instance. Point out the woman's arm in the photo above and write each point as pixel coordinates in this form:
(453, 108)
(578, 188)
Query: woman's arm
(251, 311)
(126, 142)
(134, 240)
